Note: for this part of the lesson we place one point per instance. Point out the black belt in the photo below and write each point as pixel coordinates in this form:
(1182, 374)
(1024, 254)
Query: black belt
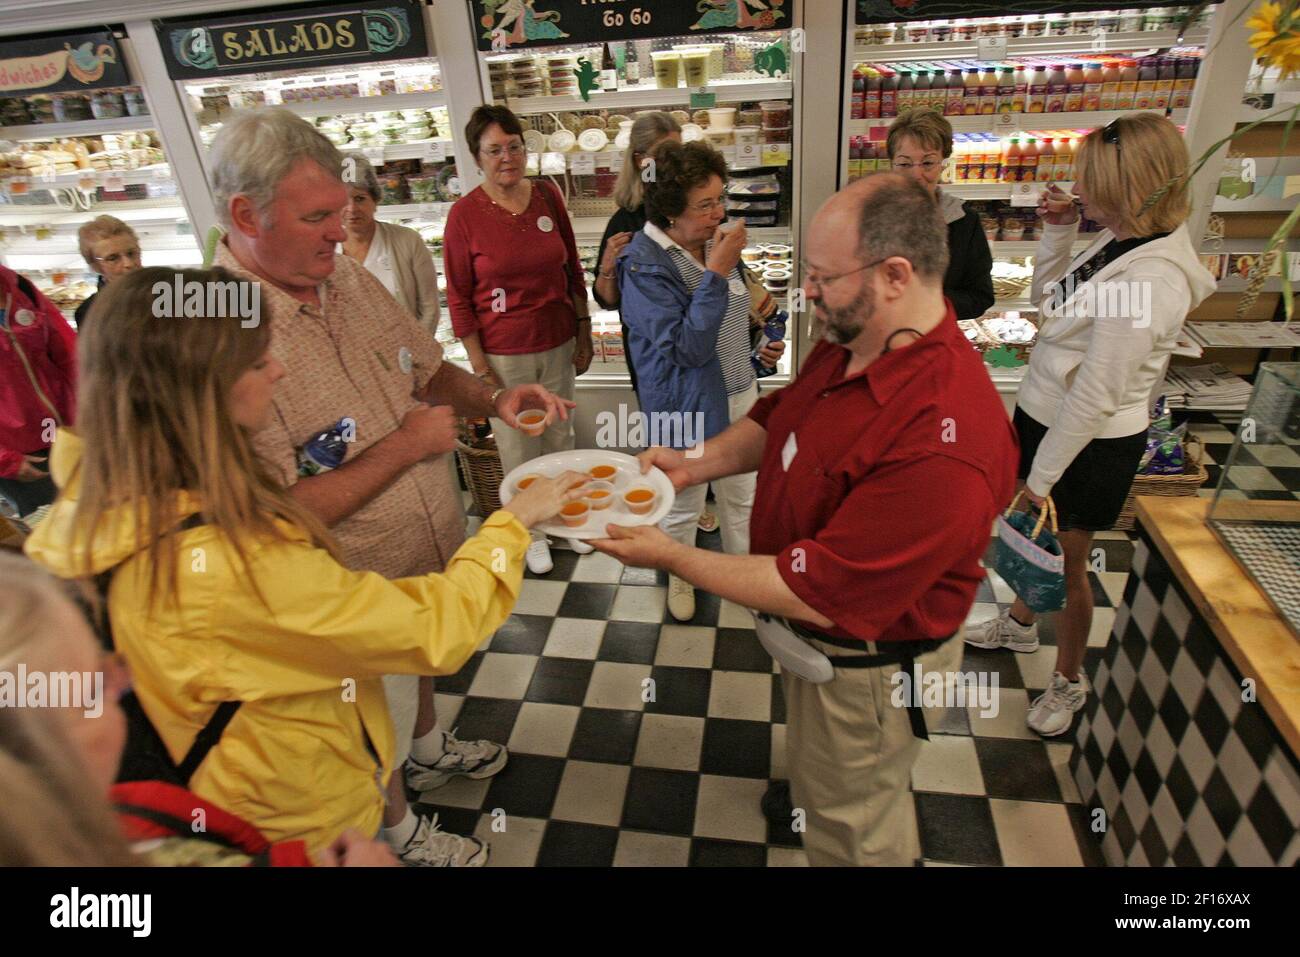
(903, 653)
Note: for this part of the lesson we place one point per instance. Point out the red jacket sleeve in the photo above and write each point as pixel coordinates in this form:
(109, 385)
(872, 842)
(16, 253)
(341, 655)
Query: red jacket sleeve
(62, 351)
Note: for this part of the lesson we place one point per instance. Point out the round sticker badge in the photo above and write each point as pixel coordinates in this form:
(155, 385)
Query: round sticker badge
(545, 224)
(404, 361)
(24, 317)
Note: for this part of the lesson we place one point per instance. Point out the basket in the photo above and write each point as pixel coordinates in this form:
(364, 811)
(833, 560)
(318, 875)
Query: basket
(480, 464)
(1011, 288)
(1167, 486)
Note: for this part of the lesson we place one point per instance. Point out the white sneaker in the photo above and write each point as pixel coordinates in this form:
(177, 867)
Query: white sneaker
(472, 759)
(1053, 711)
(681, 598)
(1003, 632)
(431, 846)
(538, 557)
(580, 546)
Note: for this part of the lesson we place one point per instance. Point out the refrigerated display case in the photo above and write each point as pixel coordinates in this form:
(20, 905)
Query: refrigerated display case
(577, 78)
(76, 148)
(1019, 92)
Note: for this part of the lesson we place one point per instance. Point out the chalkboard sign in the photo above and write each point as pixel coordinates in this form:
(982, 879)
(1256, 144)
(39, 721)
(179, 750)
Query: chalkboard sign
(61, 64)
(510, 24)
(303, 38)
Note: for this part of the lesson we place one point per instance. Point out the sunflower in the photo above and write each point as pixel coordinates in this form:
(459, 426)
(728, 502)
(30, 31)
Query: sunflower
(1276, 40)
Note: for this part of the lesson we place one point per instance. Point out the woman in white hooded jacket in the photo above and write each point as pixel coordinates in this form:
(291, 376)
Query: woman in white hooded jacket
(1109, 320)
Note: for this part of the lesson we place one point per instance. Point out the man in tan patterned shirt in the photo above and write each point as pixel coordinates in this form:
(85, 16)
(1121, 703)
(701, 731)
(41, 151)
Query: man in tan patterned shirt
(354, 356)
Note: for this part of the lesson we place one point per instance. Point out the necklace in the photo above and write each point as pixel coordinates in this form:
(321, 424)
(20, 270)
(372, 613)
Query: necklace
(503, 208)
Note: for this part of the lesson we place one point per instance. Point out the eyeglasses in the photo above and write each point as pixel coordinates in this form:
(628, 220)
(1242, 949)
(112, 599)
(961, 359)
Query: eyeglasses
(706, 207)
(115, 258)
(811, 278)
(514, 149)
(1110, 134)
(927, 165)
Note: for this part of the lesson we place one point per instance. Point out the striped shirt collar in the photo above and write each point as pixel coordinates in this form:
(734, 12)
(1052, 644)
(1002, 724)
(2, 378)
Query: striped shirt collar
(661, 238)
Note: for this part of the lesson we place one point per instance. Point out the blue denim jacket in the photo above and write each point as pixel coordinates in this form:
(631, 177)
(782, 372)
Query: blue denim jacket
(672, 337)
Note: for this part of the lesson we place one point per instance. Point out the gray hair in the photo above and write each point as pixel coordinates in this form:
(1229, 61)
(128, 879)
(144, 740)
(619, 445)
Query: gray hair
(899, 217)
(646, 132)
(357, 172)
(254, 150)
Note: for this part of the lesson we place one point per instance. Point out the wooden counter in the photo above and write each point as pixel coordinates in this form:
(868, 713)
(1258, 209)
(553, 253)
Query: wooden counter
(1255, 637)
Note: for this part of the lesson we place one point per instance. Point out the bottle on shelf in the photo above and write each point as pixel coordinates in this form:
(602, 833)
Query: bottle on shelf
(956, 93)
(1057, 88)
(1006, 90)
(920, 90)
(1092, 83)
(1075, 86)
(889, 94)
(1036, 101)
(1011, 160)
(1109, 85)
(1029, 162)
(608, 70)
(858, 104)
(1020, 89)
(971, 94)
(1185, 80)
(905, 101)
(1128, 81)
(961, 158)
(631, 64)
(1144, 99)
(988, 92)
(1046, 161)
(1063, 161)
(939, 91)
(1166, 76)
(872, 94)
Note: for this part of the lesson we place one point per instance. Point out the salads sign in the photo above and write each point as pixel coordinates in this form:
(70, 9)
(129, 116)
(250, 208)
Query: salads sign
(74, 61)
(296, 39)
(510, 24)
(893, 11)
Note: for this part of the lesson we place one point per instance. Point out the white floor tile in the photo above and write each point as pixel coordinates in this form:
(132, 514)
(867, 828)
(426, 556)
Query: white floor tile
(1103, 620)
(503, 676)
(948, 764)
(731, 615)
(617, 685)
(685, 646)
(459, 792)
(591, 793)
(574, 638)
(728, 808)
(640, 603)
(598, 567)
(1013, 705)
(540, 598)
(737, 694)
(669, 741)
(639, 849)
(1058, 753)
(543, 728)
(1035, 834)
(786, 857)
(517, 845)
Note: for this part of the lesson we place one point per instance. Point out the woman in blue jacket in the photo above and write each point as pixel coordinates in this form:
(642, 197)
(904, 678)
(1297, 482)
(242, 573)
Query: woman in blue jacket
(686, 307)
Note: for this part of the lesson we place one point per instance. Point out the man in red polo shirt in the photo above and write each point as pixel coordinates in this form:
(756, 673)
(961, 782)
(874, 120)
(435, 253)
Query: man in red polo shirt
(880, 472)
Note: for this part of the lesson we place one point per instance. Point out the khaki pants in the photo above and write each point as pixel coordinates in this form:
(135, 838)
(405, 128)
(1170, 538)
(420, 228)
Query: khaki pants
(849, 752)
(552, 369)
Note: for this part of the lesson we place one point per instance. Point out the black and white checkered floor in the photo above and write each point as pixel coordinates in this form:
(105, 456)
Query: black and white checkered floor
(598, 775)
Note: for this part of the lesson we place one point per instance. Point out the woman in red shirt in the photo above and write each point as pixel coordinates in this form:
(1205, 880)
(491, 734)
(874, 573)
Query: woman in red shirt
(515, 288)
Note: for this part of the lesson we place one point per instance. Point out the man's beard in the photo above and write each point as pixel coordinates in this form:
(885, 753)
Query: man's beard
(846, 323)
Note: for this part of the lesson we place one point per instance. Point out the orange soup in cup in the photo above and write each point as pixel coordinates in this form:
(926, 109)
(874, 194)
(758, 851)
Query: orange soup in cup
(526, 481)
(575, 513)
(640, 500)
(600, 495)
(602, 473)
(532, 421)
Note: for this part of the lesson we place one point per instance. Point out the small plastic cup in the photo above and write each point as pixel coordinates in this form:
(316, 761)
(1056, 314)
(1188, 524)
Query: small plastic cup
(602, 473)
(526, 481)
(532, 421)
(599, 495)
(575, 514)
(667, 67)
(640, 500)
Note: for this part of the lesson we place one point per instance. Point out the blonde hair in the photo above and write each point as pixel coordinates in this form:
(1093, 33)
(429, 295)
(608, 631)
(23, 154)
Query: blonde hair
(927, 127)
(1141, 187)
(100, 228)
(155, 421)
(51, 818)
(646, 132)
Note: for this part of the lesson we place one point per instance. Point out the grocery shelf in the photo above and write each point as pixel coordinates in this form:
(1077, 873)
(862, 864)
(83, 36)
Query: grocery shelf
(1255, 204)
(416, 149)
(1022, 122)
(431, 211)
(1253, 245)
(166, 208)
(140, 175)
(1238, 284)
(1028, 46)
(47, 131)
(1009, 250)
(726, 91)
(593, 227)
(368, 104)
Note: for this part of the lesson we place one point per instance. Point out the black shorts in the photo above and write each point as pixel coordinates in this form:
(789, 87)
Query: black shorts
(1092, 491)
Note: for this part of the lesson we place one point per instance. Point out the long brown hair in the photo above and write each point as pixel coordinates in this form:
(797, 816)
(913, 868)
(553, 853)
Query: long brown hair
(155, 421)
(51, 818)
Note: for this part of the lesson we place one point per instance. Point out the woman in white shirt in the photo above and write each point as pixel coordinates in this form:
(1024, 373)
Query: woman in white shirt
(395, 255)
(1109, 320)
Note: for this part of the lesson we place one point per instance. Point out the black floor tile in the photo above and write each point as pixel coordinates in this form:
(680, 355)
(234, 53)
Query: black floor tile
(1017, 769)
(991, 661)
(567, 844)
(606, 735)
(738, 649)
(1099, 597)
(957, 829)
(707, 607)
(784, 835)
(526, 786)
(947, 721)
(682, 691)
(486, 718)
(778, 701)
(560, 681)
(459, 682)
(629, 642)
(522, 635)
(735, 748)
(565, 562)
(710, 853)
(587, 600)
(644, 576)
(454, 820)
(661, 801)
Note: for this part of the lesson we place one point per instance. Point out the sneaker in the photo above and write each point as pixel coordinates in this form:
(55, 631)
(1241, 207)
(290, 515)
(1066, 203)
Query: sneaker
(1053, 711)
(579, 546)
(708, 521)
(1003, 632)
(433, 847)
(538, 557)
(681, 598)
(777, 805)
(471, 759)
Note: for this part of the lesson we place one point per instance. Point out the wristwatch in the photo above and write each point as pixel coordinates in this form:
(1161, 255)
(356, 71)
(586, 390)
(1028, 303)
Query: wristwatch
(492, 399)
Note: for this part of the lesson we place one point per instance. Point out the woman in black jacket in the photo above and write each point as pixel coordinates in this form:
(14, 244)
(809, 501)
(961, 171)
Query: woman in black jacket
(920, 144)
(647, 132)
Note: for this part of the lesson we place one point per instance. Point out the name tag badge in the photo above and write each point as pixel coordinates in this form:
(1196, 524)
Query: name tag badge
(737, 286)
(545, 223)
(789, 452)
(24, 317)
(404, 360)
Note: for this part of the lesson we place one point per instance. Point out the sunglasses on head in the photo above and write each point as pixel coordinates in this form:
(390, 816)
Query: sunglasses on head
(1110, 134)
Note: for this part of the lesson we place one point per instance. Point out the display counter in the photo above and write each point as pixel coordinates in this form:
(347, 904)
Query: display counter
(1187, 750)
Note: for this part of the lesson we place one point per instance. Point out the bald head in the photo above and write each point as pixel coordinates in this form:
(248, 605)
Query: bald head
(888, 214)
